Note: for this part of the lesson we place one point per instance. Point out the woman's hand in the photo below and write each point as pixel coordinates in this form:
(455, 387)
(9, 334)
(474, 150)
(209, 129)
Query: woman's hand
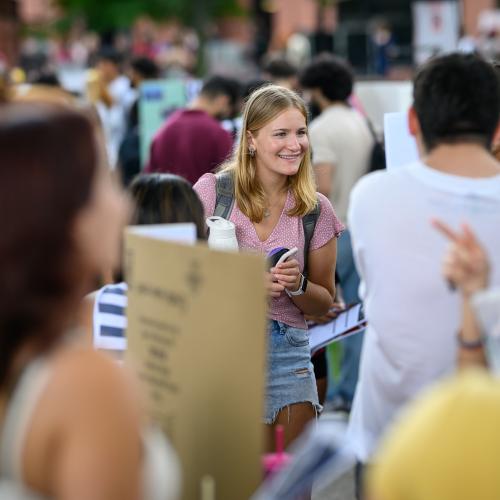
(465, 264)
(273, 288)
(332, 313)
(287, 274)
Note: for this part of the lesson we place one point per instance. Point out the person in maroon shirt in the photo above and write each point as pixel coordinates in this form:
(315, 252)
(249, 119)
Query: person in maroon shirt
(192, 142)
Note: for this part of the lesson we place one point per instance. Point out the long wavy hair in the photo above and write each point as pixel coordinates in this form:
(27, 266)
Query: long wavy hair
(48, 160)
(263, 106)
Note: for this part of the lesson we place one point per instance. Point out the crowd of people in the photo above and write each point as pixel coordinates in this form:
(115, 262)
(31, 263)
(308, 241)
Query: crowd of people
(294, 153)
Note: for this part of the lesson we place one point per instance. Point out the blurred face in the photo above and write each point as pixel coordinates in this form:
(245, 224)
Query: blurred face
(315, 101)
(222, 107)
(108, 70)
(289, 82)
(99, 227)
(281, 144)
(135, 78)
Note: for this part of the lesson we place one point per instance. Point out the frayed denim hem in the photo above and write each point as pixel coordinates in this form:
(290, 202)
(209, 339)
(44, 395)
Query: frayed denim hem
(317, 411)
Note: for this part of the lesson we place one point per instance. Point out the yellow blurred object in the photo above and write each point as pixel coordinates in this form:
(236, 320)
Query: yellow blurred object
(17, 76)
(445, 446)
(41, 93)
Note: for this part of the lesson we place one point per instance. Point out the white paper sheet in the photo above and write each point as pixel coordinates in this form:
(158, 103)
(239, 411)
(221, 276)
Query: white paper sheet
(182, 232)
(345, 324)
(400, 145)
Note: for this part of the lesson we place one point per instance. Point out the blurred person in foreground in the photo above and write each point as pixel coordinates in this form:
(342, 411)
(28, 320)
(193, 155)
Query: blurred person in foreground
(51, 94)
(71, 424)
(341, 144)
(413, 317)
(192, 141)
(447, 444)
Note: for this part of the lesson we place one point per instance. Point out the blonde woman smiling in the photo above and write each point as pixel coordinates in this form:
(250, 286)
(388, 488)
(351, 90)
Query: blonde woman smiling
(273, 190)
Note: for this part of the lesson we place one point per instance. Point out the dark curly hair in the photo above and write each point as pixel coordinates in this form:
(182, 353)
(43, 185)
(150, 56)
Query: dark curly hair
(456, 97)
(48, 159)
(331, 74)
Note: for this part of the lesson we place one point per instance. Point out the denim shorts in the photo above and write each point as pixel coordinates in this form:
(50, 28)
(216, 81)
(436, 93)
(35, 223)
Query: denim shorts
(290, 373)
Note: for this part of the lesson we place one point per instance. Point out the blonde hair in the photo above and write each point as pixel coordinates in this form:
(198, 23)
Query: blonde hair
(42, 93)
(263, 105)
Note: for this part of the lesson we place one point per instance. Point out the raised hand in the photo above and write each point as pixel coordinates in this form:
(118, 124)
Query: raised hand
(465, 263)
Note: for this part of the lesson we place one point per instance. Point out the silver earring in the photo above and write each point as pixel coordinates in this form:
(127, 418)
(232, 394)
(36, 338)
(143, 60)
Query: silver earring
(251, 151)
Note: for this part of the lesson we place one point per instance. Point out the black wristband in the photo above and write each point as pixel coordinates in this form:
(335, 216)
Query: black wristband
(469, 344)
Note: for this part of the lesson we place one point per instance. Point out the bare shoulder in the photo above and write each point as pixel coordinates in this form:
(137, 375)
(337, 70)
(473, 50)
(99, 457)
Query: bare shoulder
(90, 408)
(82, 372)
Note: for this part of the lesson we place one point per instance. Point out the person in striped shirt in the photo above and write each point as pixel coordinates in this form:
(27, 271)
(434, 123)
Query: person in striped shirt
(158, 199)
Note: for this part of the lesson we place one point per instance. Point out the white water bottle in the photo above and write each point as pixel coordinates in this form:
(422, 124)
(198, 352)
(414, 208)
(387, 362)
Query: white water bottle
(222, 234)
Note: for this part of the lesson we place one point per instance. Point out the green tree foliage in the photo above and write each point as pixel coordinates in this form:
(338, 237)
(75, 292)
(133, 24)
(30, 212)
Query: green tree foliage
(102, 15)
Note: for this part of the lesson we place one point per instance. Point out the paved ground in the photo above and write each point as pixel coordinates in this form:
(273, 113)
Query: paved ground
(342, 489)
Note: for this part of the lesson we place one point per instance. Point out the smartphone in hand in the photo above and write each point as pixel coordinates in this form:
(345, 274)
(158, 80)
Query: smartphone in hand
(279, 255)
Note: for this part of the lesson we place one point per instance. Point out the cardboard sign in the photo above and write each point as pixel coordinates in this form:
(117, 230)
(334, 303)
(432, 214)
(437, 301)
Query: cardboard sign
(197, 337)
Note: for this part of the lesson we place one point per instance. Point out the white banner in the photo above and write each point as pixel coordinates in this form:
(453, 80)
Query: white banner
(436, 29)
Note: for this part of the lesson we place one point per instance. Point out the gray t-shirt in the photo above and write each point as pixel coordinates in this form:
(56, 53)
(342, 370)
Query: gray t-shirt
(340, 136)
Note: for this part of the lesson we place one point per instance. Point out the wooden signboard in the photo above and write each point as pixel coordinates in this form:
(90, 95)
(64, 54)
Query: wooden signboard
(197, 337)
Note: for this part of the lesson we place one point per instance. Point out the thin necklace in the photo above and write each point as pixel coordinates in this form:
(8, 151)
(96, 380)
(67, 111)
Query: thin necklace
(267, 210)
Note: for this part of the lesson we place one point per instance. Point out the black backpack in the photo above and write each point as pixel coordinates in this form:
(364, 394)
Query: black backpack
(377, 156)
(224, 201)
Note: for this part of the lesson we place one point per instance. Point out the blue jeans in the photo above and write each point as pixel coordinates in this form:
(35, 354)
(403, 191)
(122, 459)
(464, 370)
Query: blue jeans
(290, 374)
(351, 346)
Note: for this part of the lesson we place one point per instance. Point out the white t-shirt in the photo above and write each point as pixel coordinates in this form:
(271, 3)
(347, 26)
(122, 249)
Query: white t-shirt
(413, 316)
(340, 136)
(114, 118)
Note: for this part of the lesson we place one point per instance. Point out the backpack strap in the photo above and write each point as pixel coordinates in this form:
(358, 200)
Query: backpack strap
(224, 189)
(309, 223)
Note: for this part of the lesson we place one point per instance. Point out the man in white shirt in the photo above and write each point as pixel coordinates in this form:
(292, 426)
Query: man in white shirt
(341, 144)
(413, 315)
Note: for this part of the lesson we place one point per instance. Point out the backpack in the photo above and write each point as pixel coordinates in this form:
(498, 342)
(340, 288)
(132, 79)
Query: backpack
(224, 202)
(377, 155)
